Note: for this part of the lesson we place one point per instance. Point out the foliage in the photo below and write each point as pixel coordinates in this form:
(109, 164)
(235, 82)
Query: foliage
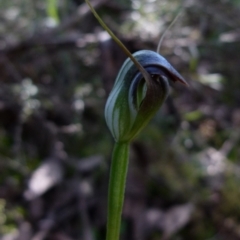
(54, 144)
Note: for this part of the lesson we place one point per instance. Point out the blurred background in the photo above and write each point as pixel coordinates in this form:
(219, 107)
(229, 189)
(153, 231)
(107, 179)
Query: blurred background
(57, 67)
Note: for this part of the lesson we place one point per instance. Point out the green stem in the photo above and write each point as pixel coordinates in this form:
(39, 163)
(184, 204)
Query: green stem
(116, 189)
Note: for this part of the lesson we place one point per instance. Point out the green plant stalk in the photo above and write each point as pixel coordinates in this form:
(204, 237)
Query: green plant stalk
(52, 10)
(118, 174)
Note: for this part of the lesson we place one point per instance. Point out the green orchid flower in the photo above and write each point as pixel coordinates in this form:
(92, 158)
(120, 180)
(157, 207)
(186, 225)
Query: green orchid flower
(133, 100)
